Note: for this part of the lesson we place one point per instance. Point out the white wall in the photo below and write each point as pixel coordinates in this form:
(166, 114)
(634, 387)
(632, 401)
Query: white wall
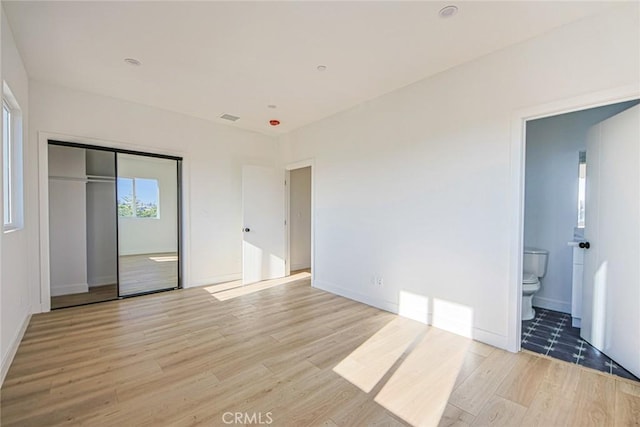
(551, 194)
(67, 220)
(146, 235)
(18, 275)
(213, 157)
(414, 186)
(300, 218)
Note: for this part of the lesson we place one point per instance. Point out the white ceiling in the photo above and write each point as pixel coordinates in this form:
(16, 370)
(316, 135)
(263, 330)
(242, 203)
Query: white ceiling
(208, 58)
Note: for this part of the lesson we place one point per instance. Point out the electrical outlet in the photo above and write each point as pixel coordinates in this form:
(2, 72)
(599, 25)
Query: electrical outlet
(379, 281)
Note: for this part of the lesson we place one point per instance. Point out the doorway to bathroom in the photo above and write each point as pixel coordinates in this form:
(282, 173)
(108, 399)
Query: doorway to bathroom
(568, 198)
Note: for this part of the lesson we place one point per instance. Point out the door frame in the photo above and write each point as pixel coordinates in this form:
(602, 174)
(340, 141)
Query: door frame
(288, 168)
(42, 302)
(517, 181)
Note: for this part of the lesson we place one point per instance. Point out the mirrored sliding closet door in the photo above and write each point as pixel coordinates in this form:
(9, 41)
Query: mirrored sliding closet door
(114, 223)
(148, 218)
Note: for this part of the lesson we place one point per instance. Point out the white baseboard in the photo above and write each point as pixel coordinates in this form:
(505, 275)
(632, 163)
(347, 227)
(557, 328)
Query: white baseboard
(214, 280)
(490, 338)
(300, 266)
(73, 288)
(13, 348)
(356, 296)
(576, 322)
(552, 304)
(453, 325)
(102, 280)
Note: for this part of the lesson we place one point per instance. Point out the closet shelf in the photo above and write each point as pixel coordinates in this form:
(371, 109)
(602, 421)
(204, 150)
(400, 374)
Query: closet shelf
(100, 178)
(108, 177)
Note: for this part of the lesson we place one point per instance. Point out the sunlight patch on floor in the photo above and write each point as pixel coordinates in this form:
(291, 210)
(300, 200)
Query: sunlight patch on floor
(367, 364)
(164, 258)
(223, 286)
(409, 367)
(227, 291)
(419, 389)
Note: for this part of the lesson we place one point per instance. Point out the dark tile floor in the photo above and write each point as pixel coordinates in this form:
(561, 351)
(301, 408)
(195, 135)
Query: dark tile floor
(551, 333)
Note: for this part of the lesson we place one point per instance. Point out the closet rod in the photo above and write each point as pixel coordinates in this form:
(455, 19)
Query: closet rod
(108, 181)
(68, 178)
(101, 177)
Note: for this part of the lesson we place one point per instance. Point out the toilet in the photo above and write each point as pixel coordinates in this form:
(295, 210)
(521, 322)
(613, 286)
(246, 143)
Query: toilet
(534, 267)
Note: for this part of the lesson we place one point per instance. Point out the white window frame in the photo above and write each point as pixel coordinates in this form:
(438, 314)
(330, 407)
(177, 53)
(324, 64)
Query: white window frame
(134, 201)
(582, 193)
(14, 186)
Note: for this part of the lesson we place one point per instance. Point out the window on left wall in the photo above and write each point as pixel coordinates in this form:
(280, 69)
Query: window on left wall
(12, 181)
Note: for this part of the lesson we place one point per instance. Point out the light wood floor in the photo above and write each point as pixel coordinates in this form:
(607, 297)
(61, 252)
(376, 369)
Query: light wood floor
(148, 272)
(290, 352)
(95, 294)
(138, 274)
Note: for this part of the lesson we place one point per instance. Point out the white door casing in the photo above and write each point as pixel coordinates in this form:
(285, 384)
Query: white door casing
(611, 293)
(263, 214)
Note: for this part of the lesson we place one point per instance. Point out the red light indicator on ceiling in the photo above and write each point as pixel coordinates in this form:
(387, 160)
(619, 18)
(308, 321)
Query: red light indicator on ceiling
(274, 122)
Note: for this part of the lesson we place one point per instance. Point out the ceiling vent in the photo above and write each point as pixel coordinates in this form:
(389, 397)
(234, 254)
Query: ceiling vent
(229, 117)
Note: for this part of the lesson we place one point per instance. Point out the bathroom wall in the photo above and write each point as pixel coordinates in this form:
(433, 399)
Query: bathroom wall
(551, 194)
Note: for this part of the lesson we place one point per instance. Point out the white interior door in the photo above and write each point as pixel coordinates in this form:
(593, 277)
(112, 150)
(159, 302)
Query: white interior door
(611, 293)
(263, 203)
